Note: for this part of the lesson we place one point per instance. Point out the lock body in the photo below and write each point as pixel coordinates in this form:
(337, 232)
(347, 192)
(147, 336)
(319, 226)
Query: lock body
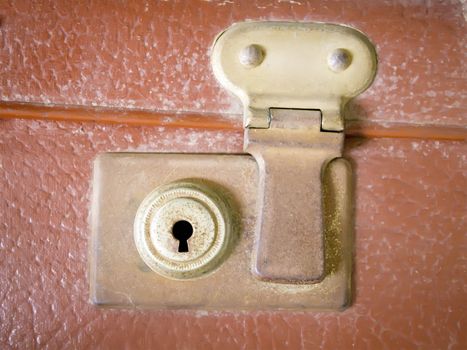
(269, 228)
(121, 277)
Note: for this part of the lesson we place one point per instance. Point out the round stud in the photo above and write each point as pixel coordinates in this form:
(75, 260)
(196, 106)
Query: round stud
(339, 60)
(251, 56)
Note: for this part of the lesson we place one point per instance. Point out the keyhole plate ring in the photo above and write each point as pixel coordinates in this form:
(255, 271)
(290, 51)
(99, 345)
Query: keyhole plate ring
(182, 201)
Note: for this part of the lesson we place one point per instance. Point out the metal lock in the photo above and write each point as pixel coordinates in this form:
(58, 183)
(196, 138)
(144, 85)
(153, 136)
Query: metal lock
(182, 230)
(267, 229)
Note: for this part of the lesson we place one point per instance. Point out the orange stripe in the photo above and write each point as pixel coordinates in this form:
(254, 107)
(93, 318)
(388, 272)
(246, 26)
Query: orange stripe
(118, 116)
(404, 130)
(354, 128)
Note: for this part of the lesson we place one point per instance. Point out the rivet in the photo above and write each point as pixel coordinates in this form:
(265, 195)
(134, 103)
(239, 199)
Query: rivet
(251, 56)
(339, 60)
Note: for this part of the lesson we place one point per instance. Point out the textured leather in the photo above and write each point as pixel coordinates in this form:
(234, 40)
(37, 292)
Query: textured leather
(410, 194)
(410, 249)
(155, 55)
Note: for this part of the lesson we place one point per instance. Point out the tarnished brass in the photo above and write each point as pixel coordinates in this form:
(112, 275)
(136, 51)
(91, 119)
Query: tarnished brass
(271, 228)
(296, 65)
(293, 95)
(182, 229)
(291, 156)
(120, 277)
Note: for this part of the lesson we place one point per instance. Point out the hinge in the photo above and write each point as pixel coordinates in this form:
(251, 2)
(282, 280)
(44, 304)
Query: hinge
(294, 80)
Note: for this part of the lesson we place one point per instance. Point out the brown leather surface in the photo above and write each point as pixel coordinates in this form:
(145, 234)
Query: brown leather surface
(410, 249)
(155, 55)
(410, 285)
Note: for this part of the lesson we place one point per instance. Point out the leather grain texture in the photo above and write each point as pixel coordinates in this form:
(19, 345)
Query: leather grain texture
(410, 249)
(410, 261)
(155, 55)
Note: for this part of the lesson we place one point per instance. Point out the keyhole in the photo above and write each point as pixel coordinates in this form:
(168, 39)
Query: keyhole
(182, 231)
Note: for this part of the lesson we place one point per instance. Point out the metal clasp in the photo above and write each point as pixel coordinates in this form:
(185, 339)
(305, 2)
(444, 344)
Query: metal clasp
(291, 155)
(294, 80)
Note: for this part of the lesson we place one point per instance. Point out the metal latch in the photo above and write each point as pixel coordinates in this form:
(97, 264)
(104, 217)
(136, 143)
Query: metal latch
(294, 80)
(266, 229)
(291, 154)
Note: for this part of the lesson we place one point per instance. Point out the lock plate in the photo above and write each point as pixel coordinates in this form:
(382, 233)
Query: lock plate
(120, 277)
